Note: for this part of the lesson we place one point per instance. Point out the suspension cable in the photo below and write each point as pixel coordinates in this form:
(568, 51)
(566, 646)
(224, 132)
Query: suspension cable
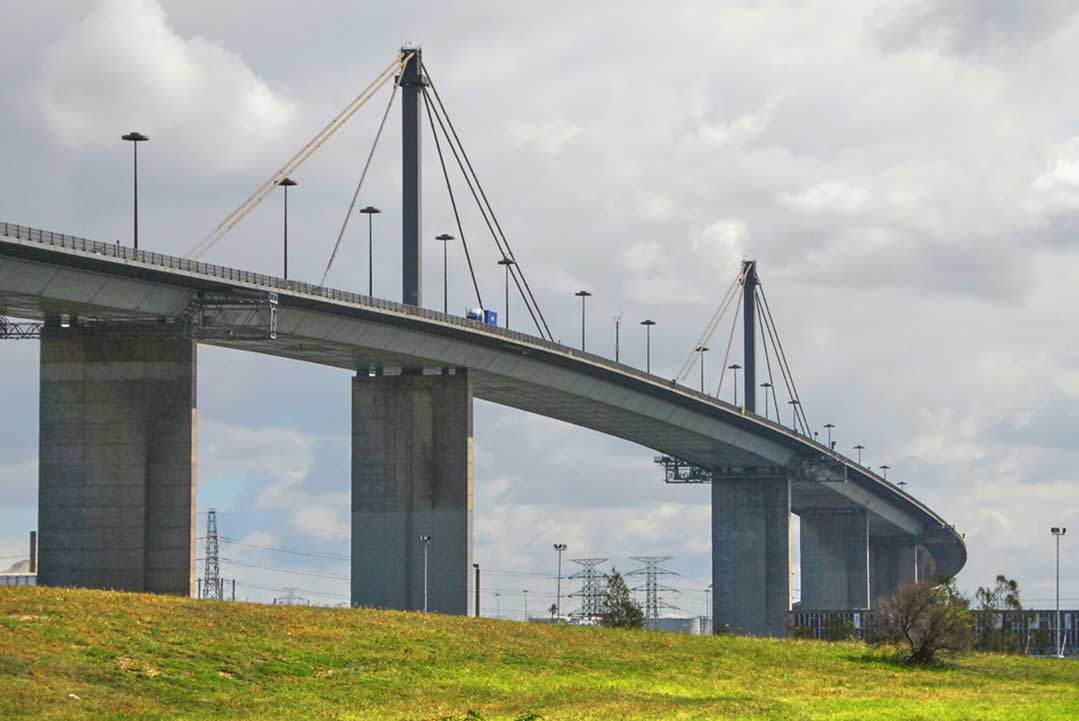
(515, 269)
(710, 329)
(783, 373)
(363, 176)
(298, 158)
(483, 213)
(730, 341)
(768, 364)
(453, 203)
(783, 357)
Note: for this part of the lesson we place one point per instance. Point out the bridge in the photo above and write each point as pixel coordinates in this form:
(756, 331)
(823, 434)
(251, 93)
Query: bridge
(119, 330)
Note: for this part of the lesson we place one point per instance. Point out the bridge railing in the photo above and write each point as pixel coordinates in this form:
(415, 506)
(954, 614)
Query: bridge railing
(161, 260)
(171, 262)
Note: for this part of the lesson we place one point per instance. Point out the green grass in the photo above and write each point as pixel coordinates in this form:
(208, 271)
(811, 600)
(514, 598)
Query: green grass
(68, 654)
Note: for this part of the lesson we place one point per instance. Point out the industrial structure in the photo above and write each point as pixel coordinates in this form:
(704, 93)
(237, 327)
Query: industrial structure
(119, 330)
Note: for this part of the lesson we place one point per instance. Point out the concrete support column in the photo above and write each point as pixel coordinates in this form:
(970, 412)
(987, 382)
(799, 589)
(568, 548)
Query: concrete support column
(412, 476)
(116, 504)
(893, 563)
(835, 560)
(751, 555)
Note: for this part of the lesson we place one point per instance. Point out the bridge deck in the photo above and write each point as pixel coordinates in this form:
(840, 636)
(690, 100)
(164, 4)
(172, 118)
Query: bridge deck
(46, 275)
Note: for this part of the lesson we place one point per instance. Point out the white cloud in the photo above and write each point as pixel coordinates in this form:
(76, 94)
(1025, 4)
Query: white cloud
(124, 67)
(321, 521)
(548, 138)
(721, 245)
(832, 197)
(1056, 189)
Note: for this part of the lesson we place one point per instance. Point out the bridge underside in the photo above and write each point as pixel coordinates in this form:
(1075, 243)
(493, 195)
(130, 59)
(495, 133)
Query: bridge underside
(411, 479)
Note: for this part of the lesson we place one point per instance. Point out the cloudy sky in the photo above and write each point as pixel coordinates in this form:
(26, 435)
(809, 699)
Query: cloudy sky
(906, 174)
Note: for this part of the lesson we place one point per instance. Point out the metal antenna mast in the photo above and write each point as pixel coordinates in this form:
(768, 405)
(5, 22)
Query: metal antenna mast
(592, 588)
(211, 575)
(652, 588)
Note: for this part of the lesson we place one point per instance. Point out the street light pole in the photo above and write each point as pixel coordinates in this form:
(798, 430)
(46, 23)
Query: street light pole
(701, 350)
(370, 211)
(1057, 533)
(859, 448)
(884, 469)
(767, 387)
(560, 547)
(708, 607)
(526, 605)
(829, 426)
(582, 294)
(286, 183)
(477, 567)
(647, 323)
(794, 407)
(507, 262)
(445, 238)
(426, 541)
(135, 139)
(735, 367)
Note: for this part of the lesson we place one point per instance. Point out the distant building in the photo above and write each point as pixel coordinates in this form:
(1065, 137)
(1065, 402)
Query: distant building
(18, 575)
(694, 625)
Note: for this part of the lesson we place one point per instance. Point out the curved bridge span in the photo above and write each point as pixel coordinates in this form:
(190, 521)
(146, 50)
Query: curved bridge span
(118, 375)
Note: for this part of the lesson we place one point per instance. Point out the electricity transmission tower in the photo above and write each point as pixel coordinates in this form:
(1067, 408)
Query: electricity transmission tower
(652, 601)
(592, 587)
(212, 587)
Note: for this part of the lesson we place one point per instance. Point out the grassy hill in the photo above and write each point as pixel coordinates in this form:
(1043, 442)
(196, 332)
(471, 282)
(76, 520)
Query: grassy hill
(67, 654)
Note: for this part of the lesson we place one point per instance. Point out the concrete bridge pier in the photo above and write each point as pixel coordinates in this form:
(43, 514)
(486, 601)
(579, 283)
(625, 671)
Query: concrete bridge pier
(835, 559)
(412, 477)
(893, 562)
(116, 503)
(751, 554)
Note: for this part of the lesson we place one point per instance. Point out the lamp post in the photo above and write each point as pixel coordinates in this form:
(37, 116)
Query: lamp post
(498, 605)
(477, 567)
(829, 426)
(702, 349)
(735, 367)
(708, 607)
(617, 337)
(426, 541)
(794, 403)
(767, 387)
(287, 183)
(507, 262)
(902, 486)
(560, 547)
(648, 344)
(136, 138)
(445, 238)
(582, 294)
(526, 605)
(884, 470)
(1057, 533)
(370, 211)
(859, 448)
